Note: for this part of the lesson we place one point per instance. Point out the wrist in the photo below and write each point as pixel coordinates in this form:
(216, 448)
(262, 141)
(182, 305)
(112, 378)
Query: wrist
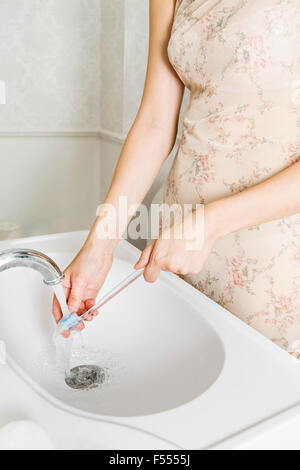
(99, 240)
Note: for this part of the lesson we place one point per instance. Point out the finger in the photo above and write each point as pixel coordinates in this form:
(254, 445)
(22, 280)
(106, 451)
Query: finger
(152, 271)
(170, 264)
(66, 334)
(89, 303)
(89, 318)
(145, 257)
(80, 326)
(76, 295)
(81, 309)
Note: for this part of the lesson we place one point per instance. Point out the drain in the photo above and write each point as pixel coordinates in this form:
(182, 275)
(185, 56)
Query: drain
(85, 377)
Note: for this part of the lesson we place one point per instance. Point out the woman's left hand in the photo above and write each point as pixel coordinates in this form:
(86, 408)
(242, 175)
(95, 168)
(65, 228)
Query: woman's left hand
(181, 249)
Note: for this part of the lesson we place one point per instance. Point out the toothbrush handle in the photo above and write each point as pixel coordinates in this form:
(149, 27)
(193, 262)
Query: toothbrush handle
(113, 292)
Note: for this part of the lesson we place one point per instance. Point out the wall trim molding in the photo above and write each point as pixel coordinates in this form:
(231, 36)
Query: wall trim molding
(102, 134)
(50, 134)
(112, 136)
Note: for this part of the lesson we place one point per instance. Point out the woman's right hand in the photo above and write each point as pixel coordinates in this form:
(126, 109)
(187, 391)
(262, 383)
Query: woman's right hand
(84, 278)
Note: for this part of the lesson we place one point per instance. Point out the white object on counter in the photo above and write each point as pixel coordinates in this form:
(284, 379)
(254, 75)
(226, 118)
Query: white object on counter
(24, 435)
(2, 92)
(9, 230)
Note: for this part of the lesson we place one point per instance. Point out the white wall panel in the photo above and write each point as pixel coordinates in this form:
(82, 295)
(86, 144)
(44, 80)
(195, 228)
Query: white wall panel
(49, 185)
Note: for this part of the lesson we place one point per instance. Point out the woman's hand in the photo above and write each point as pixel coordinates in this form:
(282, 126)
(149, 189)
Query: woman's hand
(181, 249)
(84, 278)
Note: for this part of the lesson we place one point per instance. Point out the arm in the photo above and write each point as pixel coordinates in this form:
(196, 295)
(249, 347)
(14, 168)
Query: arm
(147, 146)
(275, 198)
(154, 131)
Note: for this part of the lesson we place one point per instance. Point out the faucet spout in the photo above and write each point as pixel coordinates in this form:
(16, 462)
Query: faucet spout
(17, 258)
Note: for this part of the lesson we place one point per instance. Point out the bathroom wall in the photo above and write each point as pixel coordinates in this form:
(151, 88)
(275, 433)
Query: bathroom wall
(74, 72)
(49, 185)
(49, 153)
(50, 60)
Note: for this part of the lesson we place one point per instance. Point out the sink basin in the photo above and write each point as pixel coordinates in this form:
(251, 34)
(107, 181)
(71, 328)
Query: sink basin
(180, 371)
(157, 351)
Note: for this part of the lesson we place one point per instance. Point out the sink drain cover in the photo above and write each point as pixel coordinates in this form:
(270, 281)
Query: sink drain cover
(85, 377)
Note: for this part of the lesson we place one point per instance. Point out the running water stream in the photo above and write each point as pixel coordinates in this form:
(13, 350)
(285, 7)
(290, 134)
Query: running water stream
(63, 347)
(84, 376)
(60, 295)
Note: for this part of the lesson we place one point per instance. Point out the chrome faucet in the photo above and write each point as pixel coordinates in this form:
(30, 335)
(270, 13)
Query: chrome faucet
(23, 258)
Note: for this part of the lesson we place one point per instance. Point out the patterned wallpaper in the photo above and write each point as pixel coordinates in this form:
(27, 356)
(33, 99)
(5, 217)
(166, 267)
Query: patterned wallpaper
(72, 65)
(124, 51)
(50, 61)
(112, 70)
(136, 57)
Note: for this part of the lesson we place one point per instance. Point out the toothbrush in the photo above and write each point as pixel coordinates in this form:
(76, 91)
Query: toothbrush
(71, 321)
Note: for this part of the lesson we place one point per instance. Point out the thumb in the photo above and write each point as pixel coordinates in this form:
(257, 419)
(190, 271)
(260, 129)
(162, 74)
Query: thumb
(145, 257)
(76, 295)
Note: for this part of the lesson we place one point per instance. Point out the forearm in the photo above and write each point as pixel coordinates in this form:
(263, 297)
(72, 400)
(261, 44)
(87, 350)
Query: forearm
(153, 134)
(146, 149)
(273, 199)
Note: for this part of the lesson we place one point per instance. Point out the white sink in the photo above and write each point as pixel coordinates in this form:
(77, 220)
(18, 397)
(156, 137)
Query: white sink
(179, 367)
(166, 353)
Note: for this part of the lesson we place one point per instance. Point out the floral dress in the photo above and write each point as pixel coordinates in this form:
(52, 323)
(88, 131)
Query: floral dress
(240, 60)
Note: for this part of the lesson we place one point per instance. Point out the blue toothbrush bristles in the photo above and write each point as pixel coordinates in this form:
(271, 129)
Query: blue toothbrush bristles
(67, 323)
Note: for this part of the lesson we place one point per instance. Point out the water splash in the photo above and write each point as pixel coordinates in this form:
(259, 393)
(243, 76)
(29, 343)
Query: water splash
(54, 368)
(73, 352)
(63, 350)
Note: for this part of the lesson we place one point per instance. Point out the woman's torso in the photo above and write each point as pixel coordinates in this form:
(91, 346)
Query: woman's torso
(241, 61)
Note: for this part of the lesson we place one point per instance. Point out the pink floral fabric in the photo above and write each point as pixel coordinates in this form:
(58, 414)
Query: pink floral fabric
(241, 61)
